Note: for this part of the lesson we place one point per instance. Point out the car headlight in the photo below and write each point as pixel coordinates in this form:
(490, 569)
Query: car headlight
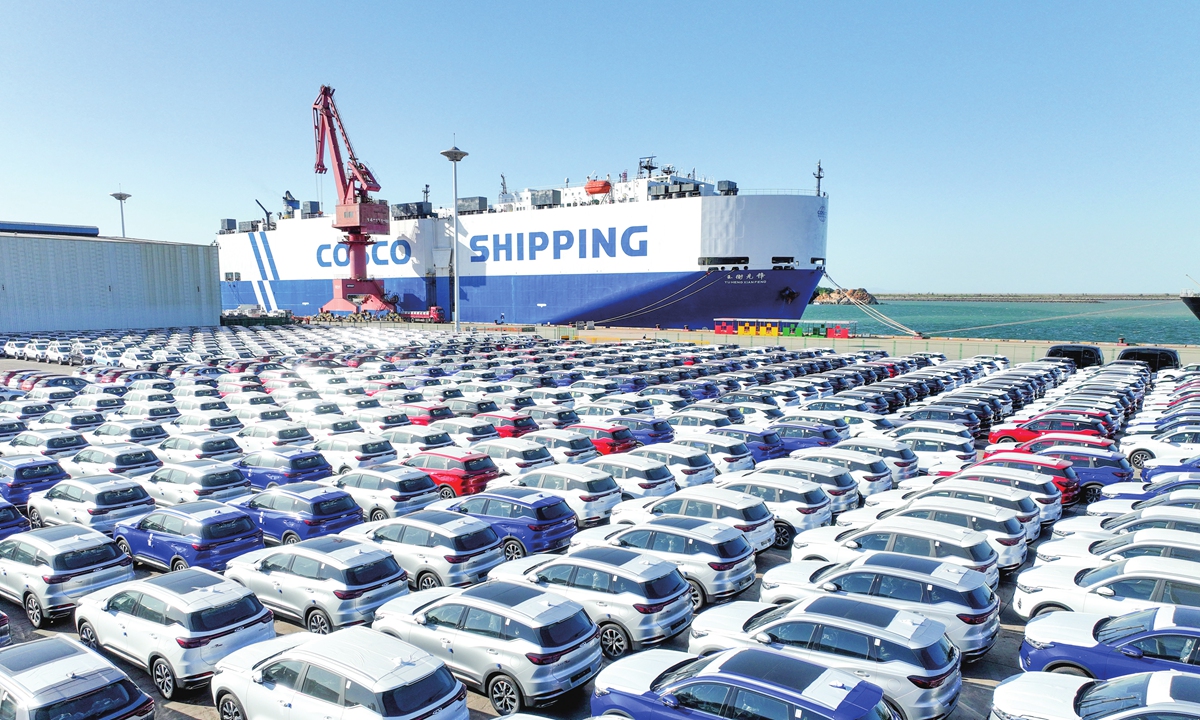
(1001, 715)
(696, 633)
(1036, 644)
(797, 544)
(1062, 533)
(769, 585)
(1027, 589)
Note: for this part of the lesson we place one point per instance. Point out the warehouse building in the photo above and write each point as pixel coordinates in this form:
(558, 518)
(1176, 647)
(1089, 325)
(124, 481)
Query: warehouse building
(68, 277)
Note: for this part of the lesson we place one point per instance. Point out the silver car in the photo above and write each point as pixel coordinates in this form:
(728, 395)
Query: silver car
(386, 491)
(636, 599)
(47, 570)
(56, 677)
(371, 675)
(324, 583)
(436, 547)
(907, 655)
(128, 459)
(518, 644)
(181, 482)
(715, 559)
(209, 618)
(638, 477)
(590, 492)
(96, 501)
(199, 446)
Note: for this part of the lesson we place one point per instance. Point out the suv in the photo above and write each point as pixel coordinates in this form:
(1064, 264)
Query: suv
(56, 677)
(142, 432)
(21, 475)
(214, 616)
(299, 511)
(385, 491)
(520, 645)
(638, 477)
(438, 547)
(739, 510)
(355, 451)
(690, 466)
(797, 504)
(58, 444)
(325, 583)
(715, 559)
(590, 492)
(273, 434)
(412, 439)
(203, 533)
(182, 482)
(96, 501)
(565, 446)
(199, 446)
(528, 520)
(269, 468)
(128, 459)
(516, 456)
(728, 454)
(455, 470)
(637, 600)
(1082, 355)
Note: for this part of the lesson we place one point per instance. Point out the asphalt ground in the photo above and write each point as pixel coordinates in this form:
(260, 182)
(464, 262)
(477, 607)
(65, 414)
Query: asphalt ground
(975, 702)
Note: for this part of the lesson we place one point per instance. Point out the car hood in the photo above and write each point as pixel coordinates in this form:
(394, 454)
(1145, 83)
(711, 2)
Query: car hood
(857, 518)
(1059, 575)
(888, 499)
(793, 573)
(1082, 524)
(244, 660)
(1073, 629)
(730, 618)
(1124, 488)
(406, 605)
(822, 535)
(1108, 508)
(1039, 694)
(592, 537)
(1068, 547)
(516, 569)
(634, 505)
(635, 674)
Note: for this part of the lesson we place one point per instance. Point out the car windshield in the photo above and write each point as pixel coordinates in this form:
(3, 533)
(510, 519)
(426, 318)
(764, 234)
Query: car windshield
(372, 572)
(419, 695)
(223, 616)
(766, 617)
(1119, 520)
(554, 511)
(687, 669)
(475, 540)
(565, 631)
(1099, 575)
(1103, 547)
(87, 557)
(334, 506)
(230, 527)
(1110, 630)
(100, 702)
(121, 496)
(1100, 699)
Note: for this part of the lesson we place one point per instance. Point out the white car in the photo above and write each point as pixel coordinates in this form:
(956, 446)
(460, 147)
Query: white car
(738, 510)
(1158, 543)
(690, 466)
(355, 451)
(1099, 527)
(199, 446)
(516, 456)
(870, 471)
(566, 446)
(940, 451)
(1112, 588)
(797, 504)
(864, 424)
(1176, 445)
(1055, 696)
(273, 434)
(412, 439)
(932, 427)
(899, 457)
(466, 432)
(590, 492)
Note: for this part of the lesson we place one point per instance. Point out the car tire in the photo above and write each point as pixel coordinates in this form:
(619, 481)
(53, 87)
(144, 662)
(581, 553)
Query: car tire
(697, 595)
(614, 641)
(1006, 439)
(272, 486)
(378, 514)
(505, 695)
(164, 679)
(1139, 457)
(179, 564)
(123, 546)
(1092, 493)
(818, 558)
(428, 581)
(783, 536)
(446, 492)
(1071, 670)
(513, 549)
(289, 538)
(229, 708)
(1048, 609)
(87, 636)
(35, 518)
(343, 470)
(317, 622)
(34, 612)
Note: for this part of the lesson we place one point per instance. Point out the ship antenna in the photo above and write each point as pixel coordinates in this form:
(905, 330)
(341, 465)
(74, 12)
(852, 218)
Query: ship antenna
(426, 192)
(503, 185)
(1189, 277)
(818, 175)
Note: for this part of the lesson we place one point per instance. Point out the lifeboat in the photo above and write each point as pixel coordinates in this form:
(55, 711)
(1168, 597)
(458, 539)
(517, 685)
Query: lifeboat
(597, 187)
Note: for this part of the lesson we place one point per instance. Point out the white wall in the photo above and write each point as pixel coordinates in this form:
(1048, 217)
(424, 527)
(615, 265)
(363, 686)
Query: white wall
(57, 283)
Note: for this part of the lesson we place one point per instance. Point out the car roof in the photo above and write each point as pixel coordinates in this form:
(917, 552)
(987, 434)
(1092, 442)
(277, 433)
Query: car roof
(812, 682)
(525, 599)
(527, 495)
(36, 666)
(446, 521)
(388, 661)
(891, 621)
(64, 537)
(716, 494)
(932, 529)
(626, 459)
(636, 564)
(927, 568)
(201, 509)
(699, 527)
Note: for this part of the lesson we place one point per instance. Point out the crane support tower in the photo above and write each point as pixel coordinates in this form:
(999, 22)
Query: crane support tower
(357, 214)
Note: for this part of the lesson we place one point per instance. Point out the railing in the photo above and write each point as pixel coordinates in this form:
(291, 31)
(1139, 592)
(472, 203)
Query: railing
(775, 191)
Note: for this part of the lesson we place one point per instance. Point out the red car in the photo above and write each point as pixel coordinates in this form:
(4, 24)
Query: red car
(423, 413)
(455, 470)
(1039, 426)
(1058, 470)
(607, 438)
(509, 424)
(1054, 439)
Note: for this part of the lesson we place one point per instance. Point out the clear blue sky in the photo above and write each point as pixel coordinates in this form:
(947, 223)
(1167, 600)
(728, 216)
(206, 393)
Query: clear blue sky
(1017, 147)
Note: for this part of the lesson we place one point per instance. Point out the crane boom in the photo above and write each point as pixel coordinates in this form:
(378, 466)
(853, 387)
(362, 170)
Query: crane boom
(327, 127)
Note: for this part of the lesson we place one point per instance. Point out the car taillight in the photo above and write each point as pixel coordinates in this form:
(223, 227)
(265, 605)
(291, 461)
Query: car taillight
(3, 621)
(190, 643)
(202, 546)
(932, 682)
(590, 498)
(650, 609)
(1047, 500)
(348, 594)
(746, 528)
(55, 579)
(691, 471)
(539, 528)
(290, 475)
(807, 510)
(838, 492)
(722, 566)
(965, 457)
(904, 463)
(975, 619)
(544, 659)
(1025, 518)
(456, 559)
(525, 465)
(97, 511)
(1008, 542)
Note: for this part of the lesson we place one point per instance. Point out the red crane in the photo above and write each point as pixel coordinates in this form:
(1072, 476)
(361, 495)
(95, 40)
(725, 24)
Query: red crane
(357, 214)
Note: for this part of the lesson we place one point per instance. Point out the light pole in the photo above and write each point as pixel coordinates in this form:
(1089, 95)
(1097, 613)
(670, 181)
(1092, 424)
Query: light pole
(121, 198)
(454, 155)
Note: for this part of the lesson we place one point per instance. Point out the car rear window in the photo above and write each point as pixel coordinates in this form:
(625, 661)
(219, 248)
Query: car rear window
(738, 449)
(580, 444)
(100, 702)
(121, 496)
(8, 514)
(76, 559)
(227, 528)
(412, 485)
(601, 485)
(216, 446)
(136, 458)
(291, 433)
(223, 616)
(142, 433)
(345, 426)
(333, 506)
(372, 572)
(223, 421)
(752, 513)
(736, 547)
(221, 479)
(418, 695)
(660, 426)
(376, 448)
(540, 453)
(663, 587)
(479, 464)
(306, 462)
(659, 472)
(36, 472)
(698, 461)
(978, 598)
(565, 632)
(65, 442)
(475, 540)
(553, 511)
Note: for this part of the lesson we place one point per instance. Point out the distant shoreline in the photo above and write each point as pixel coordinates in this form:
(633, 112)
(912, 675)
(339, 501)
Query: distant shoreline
(1021, 297)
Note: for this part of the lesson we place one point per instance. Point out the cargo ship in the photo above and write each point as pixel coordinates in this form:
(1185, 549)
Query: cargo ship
(659, 249)
(1192, 300)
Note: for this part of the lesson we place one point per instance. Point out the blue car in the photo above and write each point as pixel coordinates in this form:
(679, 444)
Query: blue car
(291, 513)
(527, 519)
(764, 444)
(629, 383)
(797, 436)
(702, 389)
(646, 429)
(23, 474)
(11, 520)
(1147, 490)
(1105, 647)
(671, 685)
(204, 533)
(1149, 472)
(268, 468)
(1095, 468)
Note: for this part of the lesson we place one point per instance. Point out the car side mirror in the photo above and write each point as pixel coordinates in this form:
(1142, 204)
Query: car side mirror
(830, 587)
(763, 638)
(420, 619)
(1131, 651)
(1105, 592)
(669, 700)
(256, 677)
(850, 544)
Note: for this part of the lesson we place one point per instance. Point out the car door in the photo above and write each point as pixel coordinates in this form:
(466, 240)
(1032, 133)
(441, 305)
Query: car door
(111, 622)
(319, 696)
(67, 504)
(700, 700)
(1120, 596)
(269, 580)
(1157, 650)
(439, 636)
(144, 628)
(12, 582)
(261, 511)
(479, 635)
(139, 537)
(300, 585)
(273, 697)
(794, 638)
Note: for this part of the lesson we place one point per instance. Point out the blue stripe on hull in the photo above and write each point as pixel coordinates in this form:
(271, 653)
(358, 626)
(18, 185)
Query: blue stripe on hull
(671, 300)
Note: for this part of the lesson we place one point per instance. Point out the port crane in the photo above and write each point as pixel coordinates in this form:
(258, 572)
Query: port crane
(357, 214)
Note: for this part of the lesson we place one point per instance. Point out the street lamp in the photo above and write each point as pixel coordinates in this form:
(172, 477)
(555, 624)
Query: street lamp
(454, 155)
(121, 198)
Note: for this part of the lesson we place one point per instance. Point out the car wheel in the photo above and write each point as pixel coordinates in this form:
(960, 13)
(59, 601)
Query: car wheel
(33, 611)
(783, 536)
(318, 622)
(1006, 439)
(164, 678)
(896, 711)
(697, 595)
(1071, 670)
(1092, 493)
(505, 695)
(343, 470)
(123, 546)
(1046, 610)
(179, 564)
(513, 549)
(446, 492)
(1139, 457)
(289, 539)
(377, 515)
(614, 641)
(87, 636)
(35, 518)
(427, 581)
(272, 486)
(818, 558)
(228, 708)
